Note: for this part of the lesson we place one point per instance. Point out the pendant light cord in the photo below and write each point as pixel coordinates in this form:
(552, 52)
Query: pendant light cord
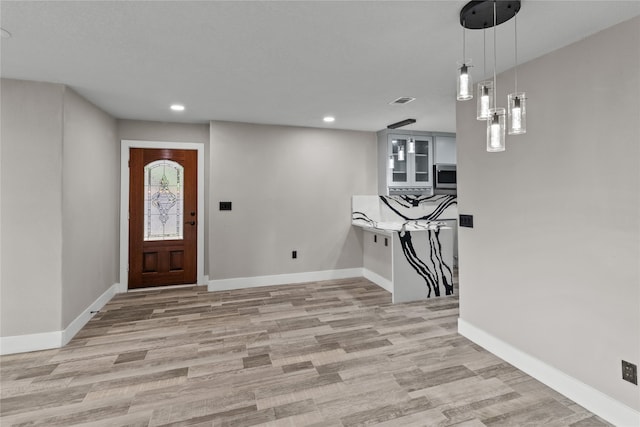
(484, 53)
(464, 52)
(495, 84)
(515, 69)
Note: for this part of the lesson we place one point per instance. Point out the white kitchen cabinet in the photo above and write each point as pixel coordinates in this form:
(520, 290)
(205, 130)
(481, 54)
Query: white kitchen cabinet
(401, 168)
(445, 149)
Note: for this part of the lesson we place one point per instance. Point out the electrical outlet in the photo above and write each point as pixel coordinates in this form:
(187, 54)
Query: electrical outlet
(294, 254)
(630, 372)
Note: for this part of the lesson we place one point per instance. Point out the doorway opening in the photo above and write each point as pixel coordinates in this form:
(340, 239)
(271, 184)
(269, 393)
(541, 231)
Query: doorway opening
(159, 209)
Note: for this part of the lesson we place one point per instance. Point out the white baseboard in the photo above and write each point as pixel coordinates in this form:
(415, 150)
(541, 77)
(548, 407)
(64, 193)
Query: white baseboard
(31, 342)
(55, 339)
(78, 323)
(281, 279)
(385, 284)
(593, 400)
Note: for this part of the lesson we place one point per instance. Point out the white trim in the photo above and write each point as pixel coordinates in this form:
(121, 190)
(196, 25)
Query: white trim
(281, 279)
(31, 342)
(84, 317)
(385, 284)
(157, 288)
(55, 339)
(124, 202)
(595, 401)
(120, 288)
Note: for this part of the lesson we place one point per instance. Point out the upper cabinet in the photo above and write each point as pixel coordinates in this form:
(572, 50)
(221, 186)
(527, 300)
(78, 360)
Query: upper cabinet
(411, 159)
(445, 149)
(406, 159)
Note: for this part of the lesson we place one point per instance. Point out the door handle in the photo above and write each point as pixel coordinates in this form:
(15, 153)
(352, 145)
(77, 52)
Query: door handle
(190, 222)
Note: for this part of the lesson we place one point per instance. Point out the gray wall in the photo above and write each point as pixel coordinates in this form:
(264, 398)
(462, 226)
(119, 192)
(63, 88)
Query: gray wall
(30, 292)
(59, 206)
(377, 257)
(551, 265)
(139, 130)
(291, 189)
(90, 207)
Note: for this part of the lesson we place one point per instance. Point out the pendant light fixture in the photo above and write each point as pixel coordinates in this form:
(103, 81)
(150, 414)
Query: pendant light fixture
(411, 145)
(516, 101)
(480, 15)
(496, 122)
(391, 165)
(485, 99)
(495, 130)
(465, 83)
(485, 88)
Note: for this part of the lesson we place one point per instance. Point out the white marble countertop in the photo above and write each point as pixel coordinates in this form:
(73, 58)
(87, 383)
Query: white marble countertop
(391, 226)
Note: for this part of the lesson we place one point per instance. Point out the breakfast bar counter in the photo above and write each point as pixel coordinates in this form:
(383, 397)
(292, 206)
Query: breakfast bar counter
(408, 250)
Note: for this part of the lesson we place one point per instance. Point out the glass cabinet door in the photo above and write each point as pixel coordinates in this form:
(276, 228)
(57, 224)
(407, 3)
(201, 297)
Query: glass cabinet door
(410, 161)
(399, 172)
(422, 163)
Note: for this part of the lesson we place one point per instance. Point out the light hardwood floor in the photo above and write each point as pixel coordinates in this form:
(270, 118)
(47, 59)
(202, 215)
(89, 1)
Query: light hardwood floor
(334, 353)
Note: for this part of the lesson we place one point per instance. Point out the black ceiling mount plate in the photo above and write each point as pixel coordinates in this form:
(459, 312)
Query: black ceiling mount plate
(477, 15)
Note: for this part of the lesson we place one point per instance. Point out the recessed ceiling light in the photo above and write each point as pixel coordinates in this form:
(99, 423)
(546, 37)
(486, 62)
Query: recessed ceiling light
(329, 119)
(177, 107)
(5, 34)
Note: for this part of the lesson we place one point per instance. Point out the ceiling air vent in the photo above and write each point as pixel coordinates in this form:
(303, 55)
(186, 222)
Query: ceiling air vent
(402, 100)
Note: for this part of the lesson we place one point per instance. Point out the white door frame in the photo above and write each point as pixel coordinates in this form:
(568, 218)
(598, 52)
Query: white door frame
(124, 203)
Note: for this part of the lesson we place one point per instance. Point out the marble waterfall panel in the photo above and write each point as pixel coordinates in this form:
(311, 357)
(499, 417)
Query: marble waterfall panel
(422, 244)
(429, 254)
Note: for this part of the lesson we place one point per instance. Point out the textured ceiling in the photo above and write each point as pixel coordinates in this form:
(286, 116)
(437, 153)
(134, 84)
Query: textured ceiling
(275, 62)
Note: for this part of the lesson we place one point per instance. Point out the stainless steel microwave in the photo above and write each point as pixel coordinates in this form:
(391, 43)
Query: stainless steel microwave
(445, 177)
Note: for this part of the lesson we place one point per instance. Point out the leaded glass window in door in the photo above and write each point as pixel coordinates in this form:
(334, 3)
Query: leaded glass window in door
(163, 200)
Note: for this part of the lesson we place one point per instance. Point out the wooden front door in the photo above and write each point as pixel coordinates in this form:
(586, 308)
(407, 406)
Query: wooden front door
(163, 217)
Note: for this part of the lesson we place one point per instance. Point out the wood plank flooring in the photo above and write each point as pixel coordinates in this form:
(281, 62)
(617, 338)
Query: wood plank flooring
(333, 353)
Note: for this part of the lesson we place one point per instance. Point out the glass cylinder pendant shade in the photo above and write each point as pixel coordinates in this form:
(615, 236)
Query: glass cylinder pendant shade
(411, 146)
(465, 84)
(391, 165)
(485, 99)
(517, 113)
(496, 130)
(401, 154)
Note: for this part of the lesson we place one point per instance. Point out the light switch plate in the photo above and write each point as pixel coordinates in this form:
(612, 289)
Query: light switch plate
(466, 221)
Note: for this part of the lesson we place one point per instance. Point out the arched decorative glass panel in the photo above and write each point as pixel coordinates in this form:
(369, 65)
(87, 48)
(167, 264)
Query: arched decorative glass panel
(163, 200)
